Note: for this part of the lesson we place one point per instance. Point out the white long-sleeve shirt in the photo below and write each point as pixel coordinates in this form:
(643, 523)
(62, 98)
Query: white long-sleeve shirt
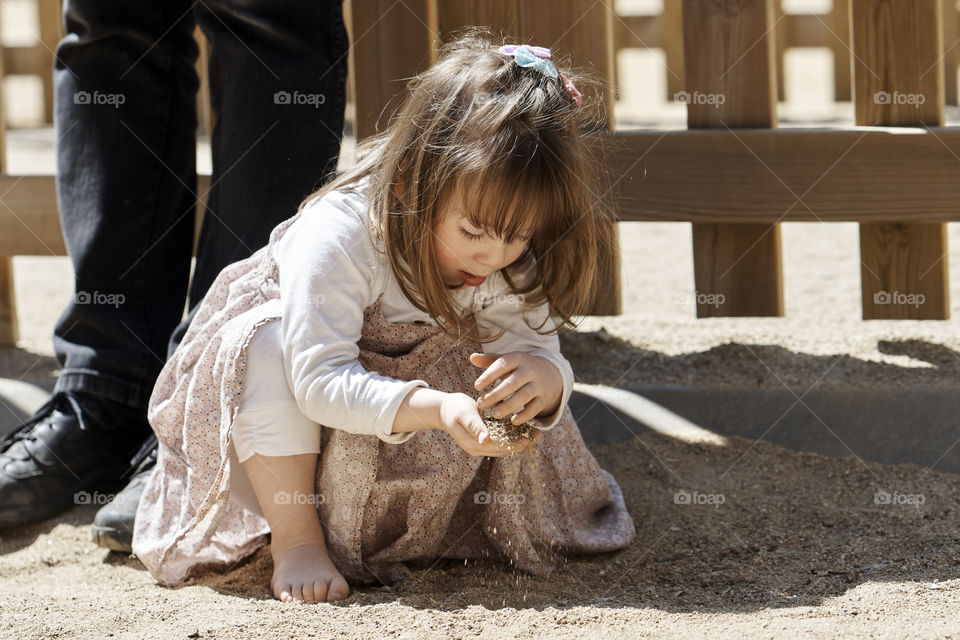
(329, 272)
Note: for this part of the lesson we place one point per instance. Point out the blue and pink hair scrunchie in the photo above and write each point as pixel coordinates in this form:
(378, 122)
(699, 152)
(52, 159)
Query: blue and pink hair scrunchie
(529, 56)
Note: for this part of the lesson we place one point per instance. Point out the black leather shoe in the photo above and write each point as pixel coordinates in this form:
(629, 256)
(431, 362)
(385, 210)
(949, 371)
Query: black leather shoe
(74, 446)
(113, 525)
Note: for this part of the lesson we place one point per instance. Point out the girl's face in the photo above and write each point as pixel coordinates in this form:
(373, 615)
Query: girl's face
(467, 254)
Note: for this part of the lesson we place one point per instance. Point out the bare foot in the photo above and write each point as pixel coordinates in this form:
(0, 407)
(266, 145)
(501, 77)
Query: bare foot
(305, 573)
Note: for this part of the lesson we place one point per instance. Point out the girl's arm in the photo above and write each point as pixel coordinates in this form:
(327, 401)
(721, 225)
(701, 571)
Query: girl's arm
(457, 415)
(328, 275)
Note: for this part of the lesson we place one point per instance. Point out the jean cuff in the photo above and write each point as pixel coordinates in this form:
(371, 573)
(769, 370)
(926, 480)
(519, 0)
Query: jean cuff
(97, 384)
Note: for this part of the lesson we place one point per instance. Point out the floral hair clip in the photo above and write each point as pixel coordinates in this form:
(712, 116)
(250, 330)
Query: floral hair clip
(538, 58)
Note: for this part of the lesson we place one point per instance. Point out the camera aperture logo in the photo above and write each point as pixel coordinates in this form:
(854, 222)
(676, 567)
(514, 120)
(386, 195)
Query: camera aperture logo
(887, 98)
(96, 297)
(297, 497)
(96, 497)
(695, 497)
(914, 300)
(712, 99)
(495, 497)
(96, 98)
(310, 99)
(887, 498)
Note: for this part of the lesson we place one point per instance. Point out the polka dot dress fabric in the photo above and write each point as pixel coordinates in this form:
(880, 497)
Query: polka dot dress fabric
(385, 508)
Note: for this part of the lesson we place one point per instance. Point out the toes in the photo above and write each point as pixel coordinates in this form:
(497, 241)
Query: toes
(338, 589)
(307, 589)
(284, 593)
(320, 591)
(297, 592)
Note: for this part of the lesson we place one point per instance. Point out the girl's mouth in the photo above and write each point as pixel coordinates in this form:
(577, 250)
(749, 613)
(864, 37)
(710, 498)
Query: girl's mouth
(472, 280)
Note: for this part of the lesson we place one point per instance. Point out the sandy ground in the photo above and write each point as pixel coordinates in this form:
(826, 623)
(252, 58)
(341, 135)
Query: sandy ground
(736, 538)
(769, 543)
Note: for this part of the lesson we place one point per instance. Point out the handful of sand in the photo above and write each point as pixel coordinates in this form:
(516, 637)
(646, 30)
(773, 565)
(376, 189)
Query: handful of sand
(502, 430)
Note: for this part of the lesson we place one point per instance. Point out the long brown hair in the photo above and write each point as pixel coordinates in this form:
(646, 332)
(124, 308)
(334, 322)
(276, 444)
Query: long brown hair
(514, 144)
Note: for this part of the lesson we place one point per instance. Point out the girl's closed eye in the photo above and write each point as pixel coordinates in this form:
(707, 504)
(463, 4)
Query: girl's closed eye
(469, 235)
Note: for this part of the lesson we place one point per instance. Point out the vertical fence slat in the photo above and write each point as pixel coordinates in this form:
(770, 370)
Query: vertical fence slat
(672, 41)
(51, 29)
(781, 43)
(391, 42)
(840, 43)
(583, 29)
(8, 309)
(729, 52)
(898, 76)
(951, 51)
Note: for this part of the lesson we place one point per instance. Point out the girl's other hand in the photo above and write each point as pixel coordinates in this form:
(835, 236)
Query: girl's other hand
(530, 385)
(460, 418)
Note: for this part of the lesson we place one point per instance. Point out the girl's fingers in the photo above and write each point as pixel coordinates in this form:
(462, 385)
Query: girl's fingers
(531, 411)
(515, 402)
(499, 369)
(483, 360)
(499, 393)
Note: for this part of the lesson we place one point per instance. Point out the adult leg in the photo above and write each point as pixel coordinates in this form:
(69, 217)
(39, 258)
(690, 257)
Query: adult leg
(126, 179)
(277, 84)
(125, 121)
(268, 151)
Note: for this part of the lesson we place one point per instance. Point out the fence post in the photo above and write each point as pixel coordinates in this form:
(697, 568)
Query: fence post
(730, 68)
(390, 42)
(583, 29)
(501, 16)
(898, 81)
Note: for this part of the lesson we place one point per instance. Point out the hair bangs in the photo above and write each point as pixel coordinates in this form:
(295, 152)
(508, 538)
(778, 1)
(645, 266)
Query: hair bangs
(517, 188)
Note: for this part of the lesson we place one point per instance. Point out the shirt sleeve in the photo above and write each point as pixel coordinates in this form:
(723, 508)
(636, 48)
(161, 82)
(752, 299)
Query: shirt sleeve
(503, 310)
(327, 271)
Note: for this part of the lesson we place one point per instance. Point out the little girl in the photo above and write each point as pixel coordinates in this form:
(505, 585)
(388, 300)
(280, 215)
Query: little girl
(329, 390)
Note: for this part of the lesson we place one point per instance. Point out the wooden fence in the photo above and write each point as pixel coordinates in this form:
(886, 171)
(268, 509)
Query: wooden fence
(732, 173)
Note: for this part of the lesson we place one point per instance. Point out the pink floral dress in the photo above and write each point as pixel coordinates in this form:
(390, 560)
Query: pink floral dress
(385, 507)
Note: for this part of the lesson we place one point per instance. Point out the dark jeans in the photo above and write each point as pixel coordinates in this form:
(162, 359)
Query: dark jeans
(126, 165)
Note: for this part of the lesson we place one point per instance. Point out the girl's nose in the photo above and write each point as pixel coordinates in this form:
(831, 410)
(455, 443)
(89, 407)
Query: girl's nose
(495, 256)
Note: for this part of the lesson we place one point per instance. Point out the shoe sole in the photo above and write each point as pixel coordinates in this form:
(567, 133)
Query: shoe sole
(104, 481)
(19, 516)
(113, 539)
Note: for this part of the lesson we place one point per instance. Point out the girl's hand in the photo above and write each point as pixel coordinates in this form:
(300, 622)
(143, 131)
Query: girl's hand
(529, 384)
(459, 417)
